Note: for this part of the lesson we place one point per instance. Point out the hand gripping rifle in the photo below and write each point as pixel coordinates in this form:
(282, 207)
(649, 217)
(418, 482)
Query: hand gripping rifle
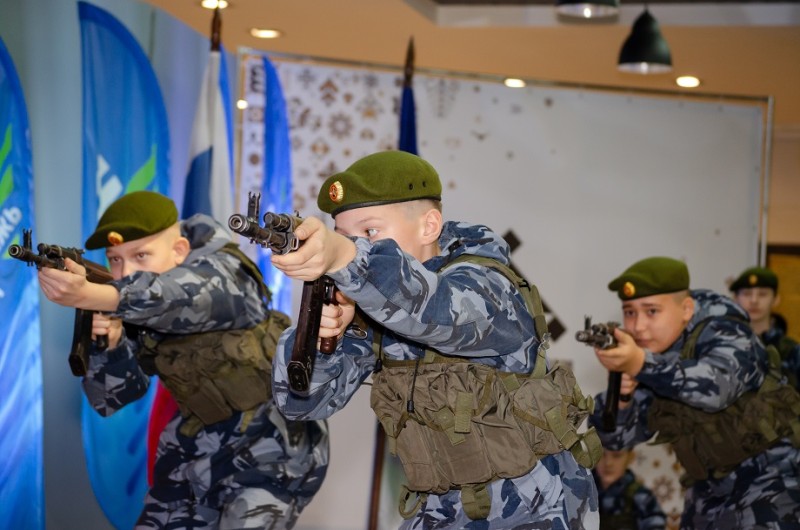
(602, 336)
(277, 234)
(53, 256)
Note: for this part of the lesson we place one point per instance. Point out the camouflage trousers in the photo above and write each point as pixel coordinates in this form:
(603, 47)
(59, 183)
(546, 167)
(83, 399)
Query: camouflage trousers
(762, 493)
(229, 477)
(557, 494)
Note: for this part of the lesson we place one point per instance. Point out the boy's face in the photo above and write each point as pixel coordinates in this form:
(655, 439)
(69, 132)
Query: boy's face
(398, 221)
(657, 321)
(612, 465)
(156, 253)
(757, 301)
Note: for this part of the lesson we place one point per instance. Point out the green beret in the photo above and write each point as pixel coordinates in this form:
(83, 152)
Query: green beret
(133, 216)
(755, 277)
(380, 178)
(657, 275)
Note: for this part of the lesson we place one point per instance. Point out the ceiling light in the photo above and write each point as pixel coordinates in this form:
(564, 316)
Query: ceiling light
(265, 33)
(241, 104)
(587, 9)
(645, 51)
(687, 81)
(212, 4)
(512, 82)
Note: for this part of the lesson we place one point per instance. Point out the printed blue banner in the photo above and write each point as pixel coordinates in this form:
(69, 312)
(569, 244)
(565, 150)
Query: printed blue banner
(125, 148)
(21, 467)
(277, 187)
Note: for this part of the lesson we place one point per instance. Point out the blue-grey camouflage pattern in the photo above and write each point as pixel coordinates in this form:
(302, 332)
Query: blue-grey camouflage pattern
(641, 507)
(254, 470)
(467, 310)
(789, 350)
(729, 360)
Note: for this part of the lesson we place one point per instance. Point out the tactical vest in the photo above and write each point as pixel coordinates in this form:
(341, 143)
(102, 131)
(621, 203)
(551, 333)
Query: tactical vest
(627, 518)
(215, 373)
(457, 424)
(786, 346)
(712, 444)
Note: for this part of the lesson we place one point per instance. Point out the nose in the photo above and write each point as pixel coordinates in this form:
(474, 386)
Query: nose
(128, 268)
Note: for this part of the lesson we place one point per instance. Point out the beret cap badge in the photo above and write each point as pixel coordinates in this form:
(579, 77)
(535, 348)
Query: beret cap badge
(752, 279)
(628, 289)
(336, 192)
(115, 238)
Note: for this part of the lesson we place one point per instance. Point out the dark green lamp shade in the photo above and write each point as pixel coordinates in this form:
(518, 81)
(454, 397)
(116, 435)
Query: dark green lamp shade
(645, 51)
(587, 9)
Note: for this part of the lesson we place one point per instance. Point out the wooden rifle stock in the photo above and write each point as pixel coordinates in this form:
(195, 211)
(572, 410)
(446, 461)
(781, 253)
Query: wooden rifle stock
(277, 234)
(53, 256)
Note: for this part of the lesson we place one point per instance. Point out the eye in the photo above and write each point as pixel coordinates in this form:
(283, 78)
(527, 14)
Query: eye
(371, 232)
(652, 312)
(628, 313)
(141, 255)
(113, 259)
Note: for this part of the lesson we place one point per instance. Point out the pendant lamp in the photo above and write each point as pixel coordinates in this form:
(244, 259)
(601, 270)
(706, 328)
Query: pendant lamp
(645, 51)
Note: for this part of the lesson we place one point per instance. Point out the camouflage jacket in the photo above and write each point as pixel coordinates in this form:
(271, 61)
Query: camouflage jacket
(729, 360)
(465, 310)
(641, 507)
(209, 291)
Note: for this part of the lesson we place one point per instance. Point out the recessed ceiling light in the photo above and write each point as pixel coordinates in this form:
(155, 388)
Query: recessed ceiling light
(265, 33)
(241, 104)
(512, 82)
(687, 81)
(212, 4)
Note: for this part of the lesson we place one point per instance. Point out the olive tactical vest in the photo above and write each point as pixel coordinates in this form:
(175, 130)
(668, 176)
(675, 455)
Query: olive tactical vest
(215, 373)
(712, 444)
(457, 424)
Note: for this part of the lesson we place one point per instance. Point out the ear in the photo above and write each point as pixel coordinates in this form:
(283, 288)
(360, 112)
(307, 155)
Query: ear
(431, 226)
(181, 249)
(776, 301)
(687, 305)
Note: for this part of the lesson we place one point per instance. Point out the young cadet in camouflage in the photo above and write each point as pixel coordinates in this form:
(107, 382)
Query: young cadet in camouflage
(704, 383)
(756, 290)
(625, 504)
(459, 376)
(228, 459)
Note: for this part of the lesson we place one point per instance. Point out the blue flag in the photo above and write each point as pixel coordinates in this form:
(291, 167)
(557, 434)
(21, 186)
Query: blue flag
(125, 148)
(277, 185)
(408, 122)
(21, 469)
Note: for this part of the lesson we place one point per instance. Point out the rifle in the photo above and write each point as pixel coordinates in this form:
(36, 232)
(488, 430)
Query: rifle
(602, 336)
(277, 234)
(53, 256)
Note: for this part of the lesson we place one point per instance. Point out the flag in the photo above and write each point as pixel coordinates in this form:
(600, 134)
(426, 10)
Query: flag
(21, 467)
(125, 148)
(277, 184)
(208, 188)
(408, 119)
(209, 182)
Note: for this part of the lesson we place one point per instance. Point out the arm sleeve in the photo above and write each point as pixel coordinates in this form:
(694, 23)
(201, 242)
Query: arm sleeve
(335, 377)
(728, 362)
(631, 421)
(210, 293)
(466, 308)
(114, 378)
